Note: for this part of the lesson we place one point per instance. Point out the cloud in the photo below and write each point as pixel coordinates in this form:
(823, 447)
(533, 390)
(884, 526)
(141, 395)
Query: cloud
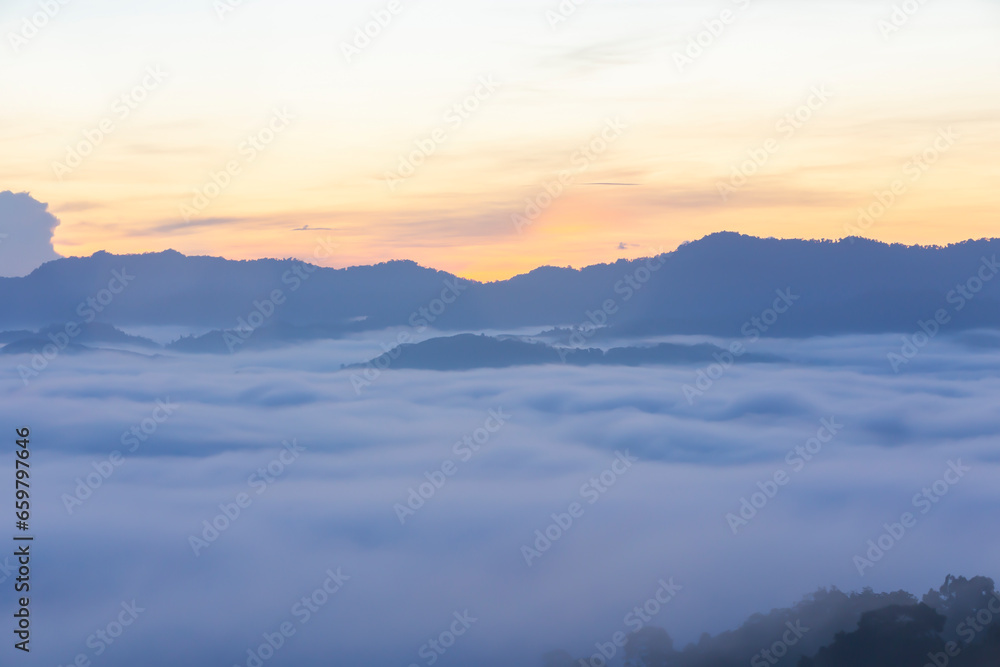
(26, 229)
(181, 226)
(334, 507)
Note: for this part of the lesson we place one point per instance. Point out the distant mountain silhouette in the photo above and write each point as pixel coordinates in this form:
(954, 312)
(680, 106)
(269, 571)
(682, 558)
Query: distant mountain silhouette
(78, 339)
(35, 345)
(468, 351)
(19, 334)
(712, 286)
(271, 335)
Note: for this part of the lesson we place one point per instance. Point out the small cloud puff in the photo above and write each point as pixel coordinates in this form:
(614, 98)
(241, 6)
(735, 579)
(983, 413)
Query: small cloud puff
(26, 229)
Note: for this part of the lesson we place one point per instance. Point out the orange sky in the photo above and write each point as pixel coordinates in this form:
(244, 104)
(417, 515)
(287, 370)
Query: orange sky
(494, 103)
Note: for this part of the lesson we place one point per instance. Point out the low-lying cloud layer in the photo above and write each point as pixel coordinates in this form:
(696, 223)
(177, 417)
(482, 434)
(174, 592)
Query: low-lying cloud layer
(406, 509)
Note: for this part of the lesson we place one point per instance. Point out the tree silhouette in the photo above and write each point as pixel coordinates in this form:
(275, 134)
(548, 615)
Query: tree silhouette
(649, 647)
(958, 599)
(897, 635)
(862, 629)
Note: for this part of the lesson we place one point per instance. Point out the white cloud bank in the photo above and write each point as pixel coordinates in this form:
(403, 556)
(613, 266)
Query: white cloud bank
(333, 505)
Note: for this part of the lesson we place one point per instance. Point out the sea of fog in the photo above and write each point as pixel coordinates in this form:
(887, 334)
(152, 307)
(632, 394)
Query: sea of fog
(186, 508)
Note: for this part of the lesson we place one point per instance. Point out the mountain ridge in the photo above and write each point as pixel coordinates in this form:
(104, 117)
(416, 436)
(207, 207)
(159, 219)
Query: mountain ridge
(714, 285)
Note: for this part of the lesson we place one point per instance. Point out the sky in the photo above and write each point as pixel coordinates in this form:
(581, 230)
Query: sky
(618, 129)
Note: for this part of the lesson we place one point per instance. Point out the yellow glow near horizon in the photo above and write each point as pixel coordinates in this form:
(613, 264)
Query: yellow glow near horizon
(552, 89)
